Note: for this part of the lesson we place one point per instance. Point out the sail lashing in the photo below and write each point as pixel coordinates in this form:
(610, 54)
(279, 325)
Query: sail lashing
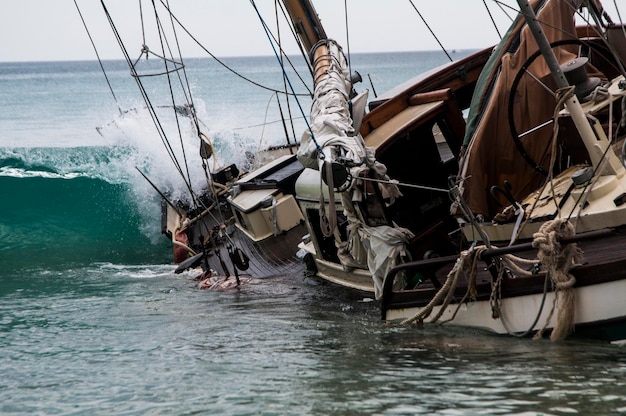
(335, 148)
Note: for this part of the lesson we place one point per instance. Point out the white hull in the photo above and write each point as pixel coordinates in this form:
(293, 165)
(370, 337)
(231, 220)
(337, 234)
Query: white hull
(593, 305)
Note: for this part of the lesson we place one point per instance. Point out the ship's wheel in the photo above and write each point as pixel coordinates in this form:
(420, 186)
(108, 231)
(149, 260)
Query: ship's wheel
(549, 87)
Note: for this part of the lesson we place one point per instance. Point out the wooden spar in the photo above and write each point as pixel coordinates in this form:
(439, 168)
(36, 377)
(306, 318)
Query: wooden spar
(306, 22)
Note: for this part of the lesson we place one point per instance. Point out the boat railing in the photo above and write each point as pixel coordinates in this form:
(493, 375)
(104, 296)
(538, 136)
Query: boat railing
(429, 267)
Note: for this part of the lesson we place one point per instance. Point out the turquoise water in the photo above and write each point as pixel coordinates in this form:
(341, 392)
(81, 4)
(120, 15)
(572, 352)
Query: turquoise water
(93, 319)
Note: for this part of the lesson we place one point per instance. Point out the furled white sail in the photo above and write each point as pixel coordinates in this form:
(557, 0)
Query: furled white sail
(334, 147)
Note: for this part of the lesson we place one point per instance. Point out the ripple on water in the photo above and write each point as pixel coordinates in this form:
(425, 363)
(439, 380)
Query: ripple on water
(111, 339)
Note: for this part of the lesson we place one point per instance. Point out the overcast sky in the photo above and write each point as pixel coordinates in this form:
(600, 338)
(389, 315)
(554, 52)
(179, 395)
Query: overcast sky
(39, 30)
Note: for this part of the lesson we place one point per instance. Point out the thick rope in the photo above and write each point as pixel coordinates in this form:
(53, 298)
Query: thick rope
(554, 257)
(558, 260)
(466, 263)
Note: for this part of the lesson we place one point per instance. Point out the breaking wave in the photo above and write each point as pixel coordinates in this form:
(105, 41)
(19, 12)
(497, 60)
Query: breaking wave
(73, 206)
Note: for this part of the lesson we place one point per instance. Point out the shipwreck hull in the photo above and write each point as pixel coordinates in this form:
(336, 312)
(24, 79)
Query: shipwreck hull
(268, 257)
(594, 317)
(526, 302)
(255, 213)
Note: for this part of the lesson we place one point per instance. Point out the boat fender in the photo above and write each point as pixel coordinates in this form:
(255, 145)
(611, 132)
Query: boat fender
(239, 258)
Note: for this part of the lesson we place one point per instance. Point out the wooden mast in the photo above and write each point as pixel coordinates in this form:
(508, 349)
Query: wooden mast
(306, 22)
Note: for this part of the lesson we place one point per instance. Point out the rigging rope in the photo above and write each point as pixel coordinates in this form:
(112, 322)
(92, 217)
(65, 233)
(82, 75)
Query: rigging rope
(558, 261)
(345, 7)
(619, 16)
(266, 123)
(224, 64)
(203, 138)
(493, 22)
(303, 53)
(144, 94)
(186, 91)
(430, 30)
(98, 56)
(143, 29)
(308, 125)
(164, 42)
(267, 107)
(280, 108)
(189, 97)
(464, 265)
(501, 6)
(407, 185)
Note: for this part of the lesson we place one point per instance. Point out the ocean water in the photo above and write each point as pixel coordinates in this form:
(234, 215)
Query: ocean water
(93, 319)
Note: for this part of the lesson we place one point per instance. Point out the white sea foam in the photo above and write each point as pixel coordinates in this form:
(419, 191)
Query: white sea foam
(23, 173)
(154, 153)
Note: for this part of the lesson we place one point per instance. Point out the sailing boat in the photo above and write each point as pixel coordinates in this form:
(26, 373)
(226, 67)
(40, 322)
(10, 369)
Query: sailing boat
(224, 219)
(540, 190)
(378, 181)
(548, 262)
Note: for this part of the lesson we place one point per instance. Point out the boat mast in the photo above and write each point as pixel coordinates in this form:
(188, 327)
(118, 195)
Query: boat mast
(595, 141)
(306, 22)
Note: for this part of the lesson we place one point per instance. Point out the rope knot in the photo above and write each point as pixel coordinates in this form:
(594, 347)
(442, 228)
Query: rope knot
(558, 260)
(565, 284)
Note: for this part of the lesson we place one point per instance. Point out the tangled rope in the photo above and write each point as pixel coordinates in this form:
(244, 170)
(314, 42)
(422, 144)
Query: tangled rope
(465, 264)
(555, 258)
(558, 260)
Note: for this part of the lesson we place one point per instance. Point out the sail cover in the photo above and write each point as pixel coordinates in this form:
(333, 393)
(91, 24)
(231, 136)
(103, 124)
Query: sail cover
(333, 138)
(331, 122)
(491, 156)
